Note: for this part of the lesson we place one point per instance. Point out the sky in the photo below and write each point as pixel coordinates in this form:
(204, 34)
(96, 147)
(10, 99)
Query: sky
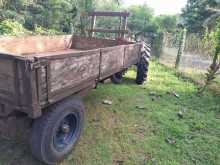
(160, 6)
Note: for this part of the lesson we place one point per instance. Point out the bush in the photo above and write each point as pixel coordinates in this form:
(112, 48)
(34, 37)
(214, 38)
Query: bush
(43, 31)
(13, 28)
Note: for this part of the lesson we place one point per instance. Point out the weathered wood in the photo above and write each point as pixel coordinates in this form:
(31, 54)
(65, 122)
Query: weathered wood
(34, 44)
(132, 53)
(108, 30)
(29, 83)
(7, 80)
(84, 43)
(109, 14)
(93, 22)
(74, 70)
(124, 27)
(112, 60)
(43, 85)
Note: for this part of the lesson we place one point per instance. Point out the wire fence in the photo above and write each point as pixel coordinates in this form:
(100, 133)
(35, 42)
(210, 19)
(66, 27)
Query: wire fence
(196, 57)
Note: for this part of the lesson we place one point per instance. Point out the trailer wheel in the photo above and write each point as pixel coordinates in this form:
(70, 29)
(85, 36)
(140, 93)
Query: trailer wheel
(142, 69)
(117, 78)
(54, 135)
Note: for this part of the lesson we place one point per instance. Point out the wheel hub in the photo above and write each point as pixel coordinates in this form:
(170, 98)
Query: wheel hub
(65, 128)
(65, 133)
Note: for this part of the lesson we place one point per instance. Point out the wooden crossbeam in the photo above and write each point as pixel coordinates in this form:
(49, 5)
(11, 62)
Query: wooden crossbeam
(107, 31)
(109, 14)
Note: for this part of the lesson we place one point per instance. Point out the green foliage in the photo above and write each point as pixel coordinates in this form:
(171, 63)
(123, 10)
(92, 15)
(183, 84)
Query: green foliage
(14, 28)
(217, 40)
(166, 23)
(215, 66)
(43, 31)
(51, 14)
(196, 12)
(10, 27)
(141, 19)
(158, 45)
(70, 15)
(209, 41)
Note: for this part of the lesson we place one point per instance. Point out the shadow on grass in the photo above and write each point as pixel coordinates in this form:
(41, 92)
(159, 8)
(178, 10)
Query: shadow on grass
(129, 81)
(16, 153)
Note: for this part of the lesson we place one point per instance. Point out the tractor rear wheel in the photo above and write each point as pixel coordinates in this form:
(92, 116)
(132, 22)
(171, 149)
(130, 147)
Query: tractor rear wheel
(142, 68)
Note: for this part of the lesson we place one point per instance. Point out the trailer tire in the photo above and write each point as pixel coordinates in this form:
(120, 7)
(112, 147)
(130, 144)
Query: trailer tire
(54, 135)
(142, 69)
(117, 78)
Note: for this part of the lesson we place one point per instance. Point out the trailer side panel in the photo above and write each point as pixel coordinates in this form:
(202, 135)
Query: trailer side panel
(67, 74)
(112, 60)
(132, 54)
(7, 80)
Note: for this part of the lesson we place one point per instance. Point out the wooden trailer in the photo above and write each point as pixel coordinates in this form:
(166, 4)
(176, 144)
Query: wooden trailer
(40, 76)
(39, 71)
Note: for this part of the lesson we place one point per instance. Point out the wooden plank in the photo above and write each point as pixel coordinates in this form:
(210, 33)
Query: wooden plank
(112, 61)
(7, 80)
(34, 44)
(107, 30)
(48, 81)
(17, 96)
(44, 90)
(29, 77)
(109, 14)
(72, 90)
(73, 70)
(86, 43)
(132, 54)
(124, 27)
(93, 23)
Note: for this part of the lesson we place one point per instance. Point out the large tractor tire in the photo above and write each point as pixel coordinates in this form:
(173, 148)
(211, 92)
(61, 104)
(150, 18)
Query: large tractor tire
(142, 66)
(55, 134)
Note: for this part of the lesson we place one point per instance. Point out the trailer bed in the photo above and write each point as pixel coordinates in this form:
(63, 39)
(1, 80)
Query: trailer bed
(36, 72)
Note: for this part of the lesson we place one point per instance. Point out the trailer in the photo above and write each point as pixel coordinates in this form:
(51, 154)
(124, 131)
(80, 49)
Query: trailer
(43, 77)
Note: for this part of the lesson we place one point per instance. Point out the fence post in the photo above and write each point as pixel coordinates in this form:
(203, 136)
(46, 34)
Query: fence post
(181, 47)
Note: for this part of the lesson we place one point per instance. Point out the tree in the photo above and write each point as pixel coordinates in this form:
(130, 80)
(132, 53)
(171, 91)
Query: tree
(215, 66)
(166, 23)
(195, 13)
(141, 18)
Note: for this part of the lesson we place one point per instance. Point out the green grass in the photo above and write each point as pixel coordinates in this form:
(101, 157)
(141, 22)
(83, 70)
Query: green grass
(122, 134)
(199, 78)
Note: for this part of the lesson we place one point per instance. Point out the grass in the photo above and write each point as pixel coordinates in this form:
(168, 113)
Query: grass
(199, 79)
(143, 126)
(197, 76)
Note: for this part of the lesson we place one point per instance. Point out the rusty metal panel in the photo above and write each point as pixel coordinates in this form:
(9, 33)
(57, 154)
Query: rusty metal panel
(132, 53)
(112, 60)
(73, 70)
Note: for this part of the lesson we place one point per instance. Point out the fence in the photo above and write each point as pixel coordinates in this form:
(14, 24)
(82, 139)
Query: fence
(196, 57)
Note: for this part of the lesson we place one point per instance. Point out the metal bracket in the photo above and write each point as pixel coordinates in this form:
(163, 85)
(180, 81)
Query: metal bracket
(38, 63)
